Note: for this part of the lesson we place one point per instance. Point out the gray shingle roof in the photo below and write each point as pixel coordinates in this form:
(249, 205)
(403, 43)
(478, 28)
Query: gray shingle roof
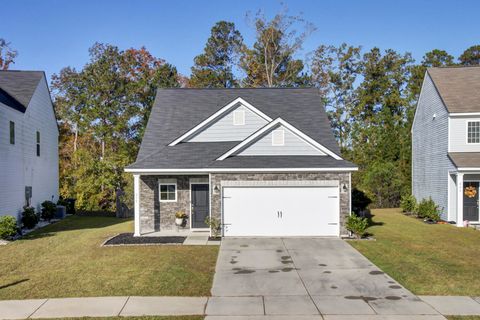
(20, 85)
(176, 111)
(202, 155)
(459, 87)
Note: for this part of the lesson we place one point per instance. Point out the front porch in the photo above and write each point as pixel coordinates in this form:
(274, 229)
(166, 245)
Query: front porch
(463, 197)
(159, 197)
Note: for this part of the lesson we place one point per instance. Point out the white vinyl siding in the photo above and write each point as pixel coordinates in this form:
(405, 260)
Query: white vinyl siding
(292, 145)
(459, 134)
(225, 129)
(19, 164)
(430, 162)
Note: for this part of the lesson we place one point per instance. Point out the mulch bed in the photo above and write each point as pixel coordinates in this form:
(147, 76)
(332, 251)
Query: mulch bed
(129, 239)
(214, 238)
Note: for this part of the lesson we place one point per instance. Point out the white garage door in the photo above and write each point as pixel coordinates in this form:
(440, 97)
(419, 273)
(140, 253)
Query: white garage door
(281, 211)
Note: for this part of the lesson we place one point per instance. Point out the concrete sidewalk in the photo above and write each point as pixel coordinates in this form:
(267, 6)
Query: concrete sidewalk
(102, 307)
(238, 308)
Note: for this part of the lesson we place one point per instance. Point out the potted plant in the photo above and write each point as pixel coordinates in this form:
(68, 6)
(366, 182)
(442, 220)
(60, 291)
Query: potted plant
(180, 218)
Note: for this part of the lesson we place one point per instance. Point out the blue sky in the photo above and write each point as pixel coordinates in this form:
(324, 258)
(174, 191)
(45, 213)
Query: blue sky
(51, 34)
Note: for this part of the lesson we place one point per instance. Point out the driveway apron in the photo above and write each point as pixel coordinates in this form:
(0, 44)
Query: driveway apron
(304, 276)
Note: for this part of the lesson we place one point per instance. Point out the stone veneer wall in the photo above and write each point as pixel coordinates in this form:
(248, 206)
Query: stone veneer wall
(156, 215)
(342, 177)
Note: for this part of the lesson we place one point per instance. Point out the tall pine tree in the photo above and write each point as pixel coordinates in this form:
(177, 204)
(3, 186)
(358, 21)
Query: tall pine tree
(214, 67)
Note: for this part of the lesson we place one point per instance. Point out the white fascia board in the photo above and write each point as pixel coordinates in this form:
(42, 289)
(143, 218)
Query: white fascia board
(287, 125)
(464, 114)
(468, 169)
(217, 114)
(214, 170)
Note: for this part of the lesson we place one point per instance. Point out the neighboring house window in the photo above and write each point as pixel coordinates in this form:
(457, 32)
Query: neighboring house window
(12, 132)
(238, 117)
(278, 137)
(168, 191)
(473, 132)
(38, 143)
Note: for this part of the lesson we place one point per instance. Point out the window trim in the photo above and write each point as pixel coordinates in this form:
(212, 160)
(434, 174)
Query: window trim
(37, 139)
(278, 131)
(167, 183)
(235, 117)
(467, 127)
(11, 131)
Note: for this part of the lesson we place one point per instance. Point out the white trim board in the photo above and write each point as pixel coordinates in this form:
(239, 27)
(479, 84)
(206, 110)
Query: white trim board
(216, 115)
(233, 170)
(279, 121)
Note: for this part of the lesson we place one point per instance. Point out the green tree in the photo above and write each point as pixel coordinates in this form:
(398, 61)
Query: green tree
(7, 54)
(214, 67)
(381, 124)
(102, 111)
(437, 58)
(334, 72)
(471, 56)
(271, 61)
(434, 58)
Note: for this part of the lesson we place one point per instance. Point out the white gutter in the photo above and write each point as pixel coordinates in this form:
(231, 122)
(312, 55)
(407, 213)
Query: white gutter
(241, 170)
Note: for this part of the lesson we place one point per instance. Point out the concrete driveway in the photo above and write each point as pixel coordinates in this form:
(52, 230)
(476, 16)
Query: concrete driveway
(305, 277)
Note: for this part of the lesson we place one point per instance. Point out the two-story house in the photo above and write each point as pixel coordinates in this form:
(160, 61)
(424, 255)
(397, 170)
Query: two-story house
(28, 142)
(263, 162)
(446, 142)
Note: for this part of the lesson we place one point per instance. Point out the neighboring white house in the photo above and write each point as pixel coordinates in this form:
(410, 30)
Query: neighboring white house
(446, 142)
(28, 142)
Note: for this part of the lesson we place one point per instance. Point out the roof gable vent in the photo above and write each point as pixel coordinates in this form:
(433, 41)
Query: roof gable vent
(238, 117)
(278, 137)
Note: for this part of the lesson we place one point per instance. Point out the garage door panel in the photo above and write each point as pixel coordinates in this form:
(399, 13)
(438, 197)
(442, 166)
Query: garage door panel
(281, 211)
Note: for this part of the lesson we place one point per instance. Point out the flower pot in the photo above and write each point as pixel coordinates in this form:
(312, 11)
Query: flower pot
(179, 221)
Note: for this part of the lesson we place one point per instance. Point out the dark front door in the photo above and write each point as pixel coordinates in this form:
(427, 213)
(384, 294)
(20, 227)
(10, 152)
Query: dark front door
(200, 205)
(470, 201)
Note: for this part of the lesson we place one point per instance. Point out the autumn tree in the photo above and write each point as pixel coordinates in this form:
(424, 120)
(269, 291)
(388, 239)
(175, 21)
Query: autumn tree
(214, 67)
(7, 54)
(270, 62)
(471, 56)
(103, 110)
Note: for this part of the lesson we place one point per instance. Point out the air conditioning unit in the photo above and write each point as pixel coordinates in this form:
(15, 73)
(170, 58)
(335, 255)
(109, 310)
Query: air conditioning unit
(61, 212)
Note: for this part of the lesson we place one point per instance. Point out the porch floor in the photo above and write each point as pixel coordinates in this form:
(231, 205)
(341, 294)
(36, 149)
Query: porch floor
(194, 238)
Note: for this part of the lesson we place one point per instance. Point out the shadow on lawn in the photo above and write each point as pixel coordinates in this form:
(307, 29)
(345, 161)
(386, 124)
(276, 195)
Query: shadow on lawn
(74, 223)
(11, 284)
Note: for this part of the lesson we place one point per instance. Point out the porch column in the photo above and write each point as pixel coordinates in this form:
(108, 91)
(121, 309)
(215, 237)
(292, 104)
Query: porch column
(459, 199)
(136, 204)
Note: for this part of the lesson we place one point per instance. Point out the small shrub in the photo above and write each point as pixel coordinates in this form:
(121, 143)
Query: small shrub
(214, 225)
(8, 227)
(48, 210)
(360, 201)
(357, 225)
(29, 217)
(408, 203)
(428, 209)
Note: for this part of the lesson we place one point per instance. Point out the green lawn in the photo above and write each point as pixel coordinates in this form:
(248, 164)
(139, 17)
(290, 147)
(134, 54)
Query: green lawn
(427, 259)
(65, 260)
(135, 318)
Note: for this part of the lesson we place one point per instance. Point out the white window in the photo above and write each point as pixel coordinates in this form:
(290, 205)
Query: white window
(238, 117)
(167, 191)
(278, 137)
(473, 132)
